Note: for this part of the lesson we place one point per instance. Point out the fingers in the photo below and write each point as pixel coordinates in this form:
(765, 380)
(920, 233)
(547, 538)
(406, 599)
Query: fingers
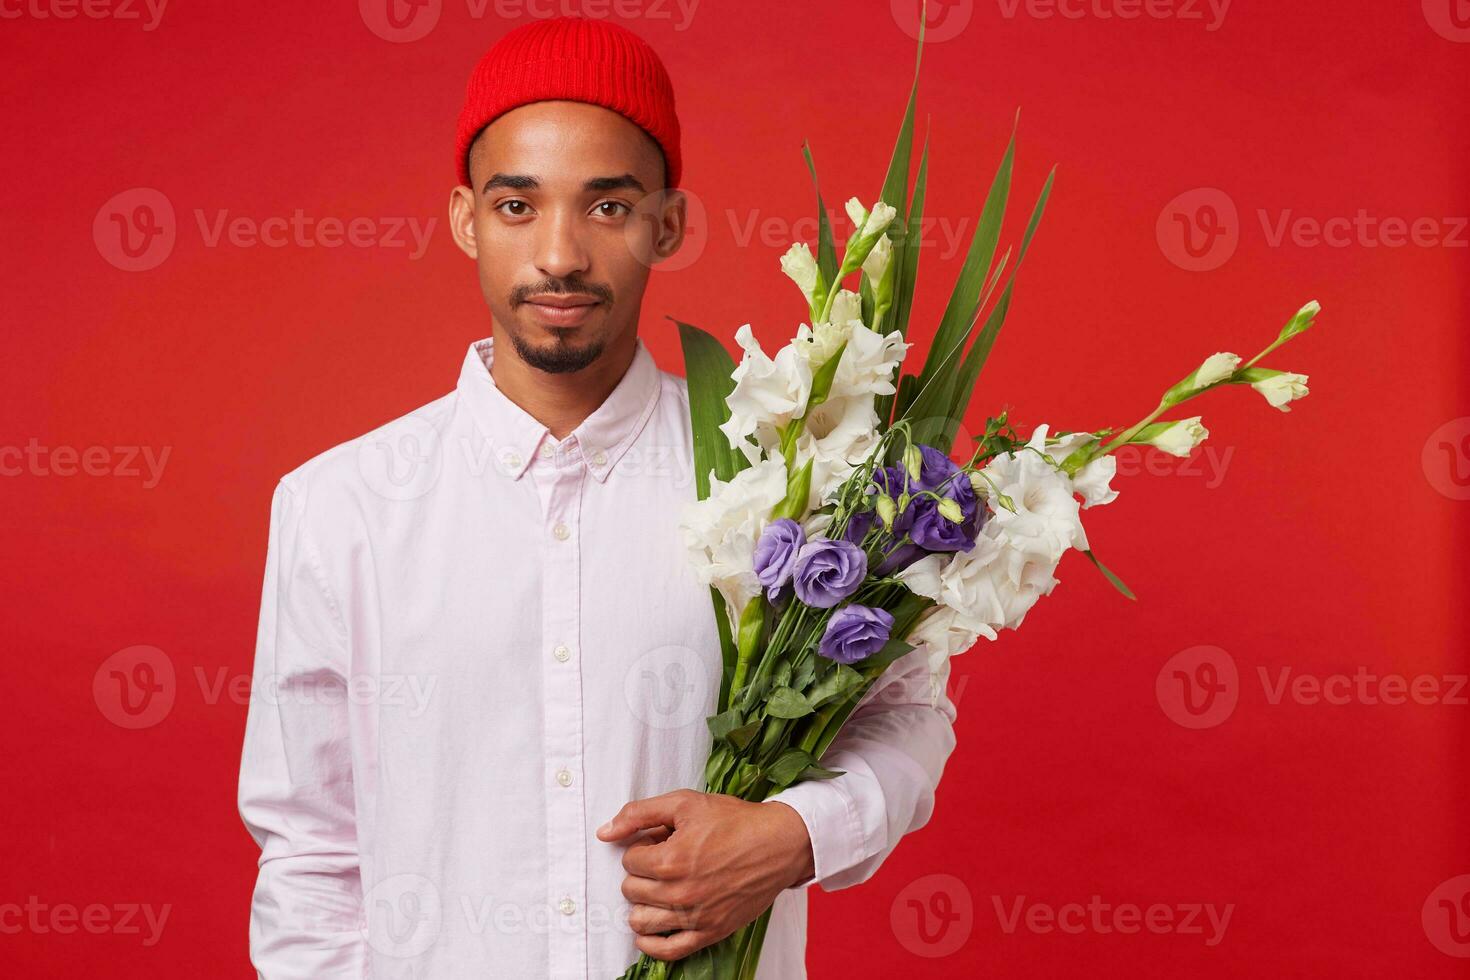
(653, 920)
(641, 814)
(677, 946)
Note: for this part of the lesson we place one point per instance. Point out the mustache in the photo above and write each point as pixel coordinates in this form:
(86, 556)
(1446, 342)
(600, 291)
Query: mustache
(564, 287)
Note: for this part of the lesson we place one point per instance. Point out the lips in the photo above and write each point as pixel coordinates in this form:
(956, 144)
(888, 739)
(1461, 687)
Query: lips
(562, 311)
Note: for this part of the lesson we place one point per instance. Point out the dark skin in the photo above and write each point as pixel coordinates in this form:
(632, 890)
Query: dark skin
(566, 217)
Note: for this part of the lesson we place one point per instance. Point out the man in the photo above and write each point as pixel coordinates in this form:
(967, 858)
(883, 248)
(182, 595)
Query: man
(483, 663)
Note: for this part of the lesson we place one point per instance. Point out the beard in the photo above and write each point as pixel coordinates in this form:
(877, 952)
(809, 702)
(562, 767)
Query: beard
(558, 358)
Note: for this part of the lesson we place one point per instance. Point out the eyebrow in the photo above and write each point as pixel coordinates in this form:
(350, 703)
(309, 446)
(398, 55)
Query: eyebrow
(525, 182)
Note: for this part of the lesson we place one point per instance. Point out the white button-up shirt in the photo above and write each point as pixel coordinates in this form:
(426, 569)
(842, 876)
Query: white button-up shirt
(476, 644)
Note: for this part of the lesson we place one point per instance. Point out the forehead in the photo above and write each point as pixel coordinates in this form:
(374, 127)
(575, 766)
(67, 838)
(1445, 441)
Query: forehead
(569, 141)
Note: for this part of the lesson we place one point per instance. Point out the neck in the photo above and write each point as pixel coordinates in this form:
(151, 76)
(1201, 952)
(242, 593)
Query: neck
(560, 401)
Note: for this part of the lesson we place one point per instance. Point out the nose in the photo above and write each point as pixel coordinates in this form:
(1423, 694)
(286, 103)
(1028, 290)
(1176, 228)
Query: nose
(560, 251)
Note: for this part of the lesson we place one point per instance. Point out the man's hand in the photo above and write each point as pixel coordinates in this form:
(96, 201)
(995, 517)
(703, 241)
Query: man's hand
(712, 864)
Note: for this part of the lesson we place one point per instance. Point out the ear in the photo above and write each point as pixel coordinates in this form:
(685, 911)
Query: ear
(462, 220)
(673, 215)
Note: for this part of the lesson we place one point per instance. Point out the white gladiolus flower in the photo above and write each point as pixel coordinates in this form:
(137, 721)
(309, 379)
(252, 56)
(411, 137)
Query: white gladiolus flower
(1282, 388)
(870, 362)
(876, 264)
(768, 393)
(1092, 481)
(801, 266)
(721, 531)
(818, 343)
(1180, 438)
(1217, 367)
(846, 306)
(869, 223)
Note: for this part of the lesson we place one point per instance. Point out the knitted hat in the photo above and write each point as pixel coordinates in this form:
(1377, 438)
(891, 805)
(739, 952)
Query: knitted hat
(578, 59)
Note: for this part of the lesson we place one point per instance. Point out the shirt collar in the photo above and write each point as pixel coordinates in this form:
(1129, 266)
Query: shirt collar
(515, 435)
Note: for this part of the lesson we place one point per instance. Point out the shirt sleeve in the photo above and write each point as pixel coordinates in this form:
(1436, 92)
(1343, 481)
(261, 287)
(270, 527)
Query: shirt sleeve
(296, 783)
(891, 752)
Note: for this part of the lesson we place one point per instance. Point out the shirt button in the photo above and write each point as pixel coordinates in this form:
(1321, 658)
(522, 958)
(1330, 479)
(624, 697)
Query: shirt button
(564, 777)
(512, 460)
(546, 450)
(567, 906)
(561, 653)
(599, 458)
(560, 531)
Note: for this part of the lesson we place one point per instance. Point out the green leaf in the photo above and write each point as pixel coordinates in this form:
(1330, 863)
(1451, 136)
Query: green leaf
(786, 703)
(707, 370)
(906, 259)
(725, 722)
(838, 683)
(740, 737)
(788, 765)
(1110, 576)
(964, 301)
(818, 772)
(979, 352)
(826, 250)
(699, 965)
(875, 663)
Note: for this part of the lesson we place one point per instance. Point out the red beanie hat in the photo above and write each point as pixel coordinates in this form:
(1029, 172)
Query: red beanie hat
(576, 59)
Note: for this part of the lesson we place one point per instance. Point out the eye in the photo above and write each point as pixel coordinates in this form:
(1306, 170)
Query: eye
(514, 208)
(610, 209)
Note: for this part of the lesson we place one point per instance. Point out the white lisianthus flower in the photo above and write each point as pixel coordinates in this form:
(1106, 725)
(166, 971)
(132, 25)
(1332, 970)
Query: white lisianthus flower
(1217, 367)
(1281, 388)
(1180, 438)
(768, 393)
(801, 266)
(721, 531)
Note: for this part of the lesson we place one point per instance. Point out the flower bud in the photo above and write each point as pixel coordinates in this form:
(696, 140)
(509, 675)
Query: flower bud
(887, 510)
(1280, 387)
(913, 461)
(801, 266)
(1175, 438)
(949, 509)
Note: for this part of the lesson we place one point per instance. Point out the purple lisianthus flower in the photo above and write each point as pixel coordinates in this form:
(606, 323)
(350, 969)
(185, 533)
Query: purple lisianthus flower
(934, 468)
(854, 632)
(775, 554)
(828, 571)
(933, 531)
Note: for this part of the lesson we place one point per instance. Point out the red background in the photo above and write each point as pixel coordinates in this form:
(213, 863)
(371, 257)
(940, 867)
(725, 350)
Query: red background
(1331, 542)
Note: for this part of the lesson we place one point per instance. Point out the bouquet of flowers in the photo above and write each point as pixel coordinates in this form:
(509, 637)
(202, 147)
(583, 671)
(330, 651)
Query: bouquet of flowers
(833, 526)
